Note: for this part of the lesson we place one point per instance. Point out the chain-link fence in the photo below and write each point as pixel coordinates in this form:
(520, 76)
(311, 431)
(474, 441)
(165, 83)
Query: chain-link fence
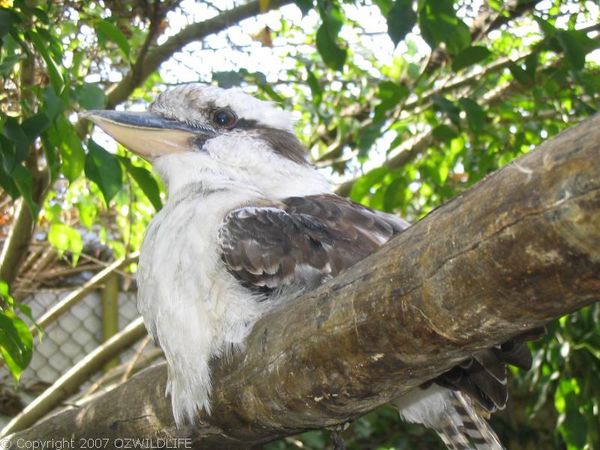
(73, 335)
(65, 342)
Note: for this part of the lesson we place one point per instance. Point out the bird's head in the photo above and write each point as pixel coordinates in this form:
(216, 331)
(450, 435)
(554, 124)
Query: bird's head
(197, 133)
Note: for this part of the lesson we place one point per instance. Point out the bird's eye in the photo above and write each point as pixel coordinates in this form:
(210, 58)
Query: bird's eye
(224, 118)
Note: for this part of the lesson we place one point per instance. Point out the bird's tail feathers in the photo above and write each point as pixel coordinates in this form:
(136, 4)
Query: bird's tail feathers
(452, 415)
(451, 432)
(462, 428)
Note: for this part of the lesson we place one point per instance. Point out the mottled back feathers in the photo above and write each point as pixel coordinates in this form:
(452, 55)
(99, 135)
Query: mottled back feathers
(301, 239)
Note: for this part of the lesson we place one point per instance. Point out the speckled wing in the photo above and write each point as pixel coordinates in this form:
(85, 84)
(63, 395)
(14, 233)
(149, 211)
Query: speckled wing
(483, 376)
(301, 240)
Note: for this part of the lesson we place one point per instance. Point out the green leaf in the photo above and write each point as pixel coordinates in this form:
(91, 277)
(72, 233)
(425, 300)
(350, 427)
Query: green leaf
(305, 6)
(362, 186)
(470, 56)
(315, 87)
(400, 20)
(446, 106)
(476, 116)
(53, 104)
(434, 172)
(87, 212)
(576, 45)
(260, 79)
(498, 6)
(385, 6)
(438, 23)
(401, 130)
(15, 151)
(228, 79)
(14, 132)
(65, 238)
(5, 293)
(521, 75)
(7, 19)
(119, 250)
(56, 78)
(103, 168)
(145, 181)
(333, 55)
(8, 155)
(368, 137)
(7, 166)
(35, 125)
(52, 44)
(53, 212)
(8, 63)
(548, 29)
(91, 96)
(444, 133)
(391, 94)
(108, 32)
(16, 343)
(571, 424)
(78, 59)
(40, 14)
(64, 137)
(26, 311)
(531, 64)
(52, 159)
(395, 194)
(24, 183)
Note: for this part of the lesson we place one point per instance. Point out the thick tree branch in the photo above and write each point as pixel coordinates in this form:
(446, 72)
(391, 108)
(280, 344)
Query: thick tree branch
(517, 250)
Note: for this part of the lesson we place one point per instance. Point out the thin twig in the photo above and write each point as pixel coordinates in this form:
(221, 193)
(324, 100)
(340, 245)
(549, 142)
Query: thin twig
(131, 366)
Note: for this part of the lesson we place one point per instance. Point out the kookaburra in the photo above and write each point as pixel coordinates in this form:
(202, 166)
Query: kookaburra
(249, 224)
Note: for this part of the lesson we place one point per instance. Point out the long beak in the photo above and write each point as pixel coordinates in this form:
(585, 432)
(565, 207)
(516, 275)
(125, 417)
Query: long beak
(147, 134)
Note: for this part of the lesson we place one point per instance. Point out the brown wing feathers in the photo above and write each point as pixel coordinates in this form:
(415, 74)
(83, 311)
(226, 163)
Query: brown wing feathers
(483, 376)
(263, 248)
(300, 237)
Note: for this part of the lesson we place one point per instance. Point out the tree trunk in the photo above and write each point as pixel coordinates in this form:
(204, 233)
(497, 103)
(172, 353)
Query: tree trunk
(517, 250)
(14, 249)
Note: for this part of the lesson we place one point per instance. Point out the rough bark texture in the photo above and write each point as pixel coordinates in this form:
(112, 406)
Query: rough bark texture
(514, 252)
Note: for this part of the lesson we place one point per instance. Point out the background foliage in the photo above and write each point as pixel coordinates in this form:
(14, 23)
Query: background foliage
(403, 111)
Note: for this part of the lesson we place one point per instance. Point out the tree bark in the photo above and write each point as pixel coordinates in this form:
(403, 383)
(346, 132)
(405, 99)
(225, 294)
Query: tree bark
(517, 250)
